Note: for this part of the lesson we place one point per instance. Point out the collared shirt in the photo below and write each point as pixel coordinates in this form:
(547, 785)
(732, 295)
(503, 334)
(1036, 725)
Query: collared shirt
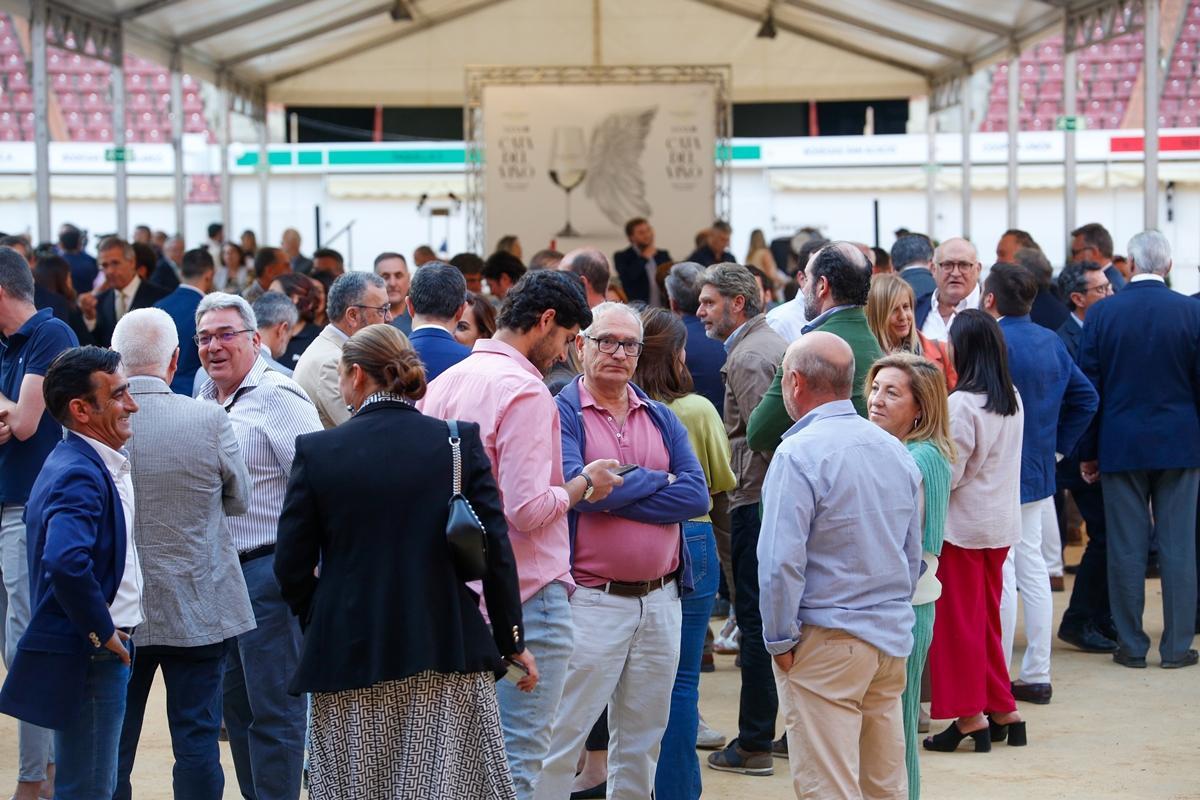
(819, 320)
(1075, 316)
(937, 328)
(29, 351)
(654, 300)
(732, 338)
(1147, 276)
(609, 547)
(840, 545)
(788, 319)
(126, 607)
(268, 411)
(122, 302)
(500, 390)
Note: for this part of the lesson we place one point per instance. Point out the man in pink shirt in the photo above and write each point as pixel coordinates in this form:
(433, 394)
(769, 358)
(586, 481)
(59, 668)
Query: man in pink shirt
(499, 386)
(629, 563)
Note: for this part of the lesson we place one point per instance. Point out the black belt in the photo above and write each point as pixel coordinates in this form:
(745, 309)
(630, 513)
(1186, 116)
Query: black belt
(637, 589)
(128, 631)
(257, 552)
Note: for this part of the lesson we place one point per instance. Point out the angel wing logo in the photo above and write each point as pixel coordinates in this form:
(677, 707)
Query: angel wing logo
(611, 165)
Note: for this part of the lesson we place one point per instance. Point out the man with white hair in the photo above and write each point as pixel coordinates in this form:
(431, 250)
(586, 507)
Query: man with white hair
(629, 562)
(956, 270)
(356, 300)
(268, 411)
(1145, 449)
(194, 597)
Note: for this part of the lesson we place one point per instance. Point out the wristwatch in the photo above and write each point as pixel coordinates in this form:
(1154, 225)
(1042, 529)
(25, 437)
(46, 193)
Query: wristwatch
(591, 487)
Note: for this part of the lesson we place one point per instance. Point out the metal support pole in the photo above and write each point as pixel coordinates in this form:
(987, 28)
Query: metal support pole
(1070, 106)
(931, 168)
(264, 172)
(1014, 118)
(41, 116)
(177, 141)
(1150, 69)
(964, 101)
(119, 121)
(226, 193)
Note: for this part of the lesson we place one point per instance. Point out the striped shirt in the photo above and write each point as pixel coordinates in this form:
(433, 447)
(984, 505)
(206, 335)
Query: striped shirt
(268, 411)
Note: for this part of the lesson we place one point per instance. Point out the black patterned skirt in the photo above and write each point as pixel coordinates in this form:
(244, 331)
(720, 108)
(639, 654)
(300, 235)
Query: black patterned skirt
(431, 736)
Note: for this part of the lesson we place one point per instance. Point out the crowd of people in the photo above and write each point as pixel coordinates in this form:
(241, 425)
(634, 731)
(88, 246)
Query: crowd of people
(859, 461)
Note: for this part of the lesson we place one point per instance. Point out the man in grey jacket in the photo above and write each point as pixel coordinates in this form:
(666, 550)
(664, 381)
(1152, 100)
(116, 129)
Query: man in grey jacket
(188, 474)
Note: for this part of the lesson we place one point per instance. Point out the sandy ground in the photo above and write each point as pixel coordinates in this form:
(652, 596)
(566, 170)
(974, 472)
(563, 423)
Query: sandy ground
(1110, 732)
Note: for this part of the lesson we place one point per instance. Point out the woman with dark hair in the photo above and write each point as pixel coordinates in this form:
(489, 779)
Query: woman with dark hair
(394, 640)
(53, 273)
(232, 274)
(302, 291)
(906, 396)
(970, 673)
(478, 321)
(663, 374)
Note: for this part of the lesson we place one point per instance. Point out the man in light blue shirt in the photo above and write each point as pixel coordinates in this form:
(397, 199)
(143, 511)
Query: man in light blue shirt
(838, 557)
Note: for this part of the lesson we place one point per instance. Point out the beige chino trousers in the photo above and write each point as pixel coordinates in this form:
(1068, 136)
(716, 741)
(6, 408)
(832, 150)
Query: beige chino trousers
(845, 728)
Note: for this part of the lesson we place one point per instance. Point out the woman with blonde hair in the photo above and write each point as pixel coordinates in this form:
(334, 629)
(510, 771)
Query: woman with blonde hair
(906, 396)
(759, 255)
(891, 318)
(394, 640)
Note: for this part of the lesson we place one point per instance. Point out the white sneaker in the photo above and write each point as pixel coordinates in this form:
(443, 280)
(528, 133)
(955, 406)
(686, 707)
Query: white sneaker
(707, 738)
(727, 641)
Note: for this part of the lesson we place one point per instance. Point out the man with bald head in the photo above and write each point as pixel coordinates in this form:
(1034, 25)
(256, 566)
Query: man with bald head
(956, 271)
(838, 558)
(592, 268)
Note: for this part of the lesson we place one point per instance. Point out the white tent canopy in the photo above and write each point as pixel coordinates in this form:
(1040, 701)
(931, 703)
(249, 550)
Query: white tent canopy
(352, 52)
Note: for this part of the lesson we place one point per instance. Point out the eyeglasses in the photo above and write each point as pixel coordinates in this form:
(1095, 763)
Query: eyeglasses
(609, 346)
(225, 337)
(1103, 288)
(956, 266)
(385, 311)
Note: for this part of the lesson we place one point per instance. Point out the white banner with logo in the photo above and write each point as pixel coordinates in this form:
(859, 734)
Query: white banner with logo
(569, 165)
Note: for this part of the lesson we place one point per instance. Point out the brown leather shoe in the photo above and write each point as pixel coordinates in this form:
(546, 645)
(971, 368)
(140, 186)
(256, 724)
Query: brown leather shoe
(1038, 693)
(1056, 583)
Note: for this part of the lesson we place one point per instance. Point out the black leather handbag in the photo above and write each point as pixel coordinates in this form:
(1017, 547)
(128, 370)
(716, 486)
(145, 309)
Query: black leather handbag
(464, 532)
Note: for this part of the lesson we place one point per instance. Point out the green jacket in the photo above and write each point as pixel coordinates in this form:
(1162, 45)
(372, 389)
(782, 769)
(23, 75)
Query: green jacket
(770, 419)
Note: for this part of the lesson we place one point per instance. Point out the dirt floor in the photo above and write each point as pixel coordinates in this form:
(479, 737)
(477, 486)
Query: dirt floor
(1110, 732)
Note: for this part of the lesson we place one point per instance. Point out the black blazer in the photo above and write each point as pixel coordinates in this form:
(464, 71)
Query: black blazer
(388, 603)
(631, 268)
(106, 309)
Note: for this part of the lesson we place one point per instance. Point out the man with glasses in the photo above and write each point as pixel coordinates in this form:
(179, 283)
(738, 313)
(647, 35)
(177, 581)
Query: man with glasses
(356, 300)
(956, 271)
(1093, 242)
(1087, 622)
(629, 561)
(268, 411)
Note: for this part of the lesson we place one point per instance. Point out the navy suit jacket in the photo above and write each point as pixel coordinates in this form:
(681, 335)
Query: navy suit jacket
(705, 358)
(76, 530)
(1141, 350)
(631, 268)
(1057, 399)
(920, 279)
(1071, 333)
(181, 304)
(921, 312)
(438, 350)
(1048, 311)
(106, 309)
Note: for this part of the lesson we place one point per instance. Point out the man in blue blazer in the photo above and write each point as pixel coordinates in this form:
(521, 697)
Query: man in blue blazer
(1141, 349)
(436, 301)
(1058, 403)
(73, 663)
(637, 265)
(197, 271)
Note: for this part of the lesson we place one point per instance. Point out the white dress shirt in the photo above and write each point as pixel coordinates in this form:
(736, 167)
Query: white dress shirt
(1147, 276)
(122, 302)
(788, 319)
(937, 328)
(126, 607)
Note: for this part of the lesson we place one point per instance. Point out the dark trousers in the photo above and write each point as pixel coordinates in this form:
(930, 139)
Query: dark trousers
(193, 680)
(759, 702)
(1127, 497)
(1089, 597)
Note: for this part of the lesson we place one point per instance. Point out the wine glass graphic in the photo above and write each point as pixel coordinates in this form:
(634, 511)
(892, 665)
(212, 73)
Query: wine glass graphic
(568, 166)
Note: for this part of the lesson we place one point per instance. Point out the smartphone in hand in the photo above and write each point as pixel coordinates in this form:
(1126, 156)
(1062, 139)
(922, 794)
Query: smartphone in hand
(625, 469)
(515, 672)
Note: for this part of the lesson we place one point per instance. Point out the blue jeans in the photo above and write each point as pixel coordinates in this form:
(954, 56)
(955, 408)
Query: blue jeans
(87, 749)
(528, 719)
(266, 724)
(678, 776)
(193, 680)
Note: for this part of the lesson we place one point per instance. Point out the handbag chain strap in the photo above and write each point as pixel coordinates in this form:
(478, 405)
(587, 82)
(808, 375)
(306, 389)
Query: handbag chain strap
(455, 450)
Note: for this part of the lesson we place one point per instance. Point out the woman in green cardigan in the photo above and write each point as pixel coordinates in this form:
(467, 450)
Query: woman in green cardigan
(906, 396)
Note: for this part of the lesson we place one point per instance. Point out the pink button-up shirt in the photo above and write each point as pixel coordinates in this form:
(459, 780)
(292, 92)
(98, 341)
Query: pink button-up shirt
(499, 389)
(609, 547)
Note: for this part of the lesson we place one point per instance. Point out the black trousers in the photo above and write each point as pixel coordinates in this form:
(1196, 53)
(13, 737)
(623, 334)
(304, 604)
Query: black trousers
(759, 702)
(1089, 597)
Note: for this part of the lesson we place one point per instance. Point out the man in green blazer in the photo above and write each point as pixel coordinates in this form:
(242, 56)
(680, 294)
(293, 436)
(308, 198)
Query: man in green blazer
(838, 279)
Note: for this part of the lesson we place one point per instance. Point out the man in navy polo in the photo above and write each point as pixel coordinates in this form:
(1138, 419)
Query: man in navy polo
(29, 341)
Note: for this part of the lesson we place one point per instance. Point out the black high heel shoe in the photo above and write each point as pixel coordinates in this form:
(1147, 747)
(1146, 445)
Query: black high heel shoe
(1014, 732)
(948, 740)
